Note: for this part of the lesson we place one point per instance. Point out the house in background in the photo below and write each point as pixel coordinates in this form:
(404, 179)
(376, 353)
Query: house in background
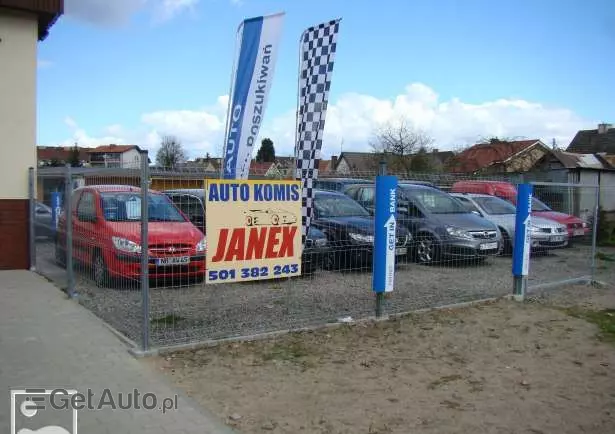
(498, 156)
(584, 169)
(60, 155)
(115, 156)
(206, 164)
(598, 141)
(367, 163)
(263, 169)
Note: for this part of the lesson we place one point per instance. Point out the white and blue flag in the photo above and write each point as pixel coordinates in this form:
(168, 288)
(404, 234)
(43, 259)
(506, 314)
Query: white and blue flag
(259, 44)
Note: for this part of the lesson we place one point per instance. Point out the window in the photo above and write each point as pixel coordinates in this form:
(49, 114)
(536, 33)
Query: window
(86, 207)
(468, 204)
(126, 206)
(436, 201)
(329, 205)
(539, 206)
(367, 196)
(189, 205)
(496, 206)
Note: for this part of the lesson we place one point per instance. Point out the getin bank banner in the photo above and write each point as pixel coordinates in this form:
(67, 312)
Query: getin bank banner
(253, 229)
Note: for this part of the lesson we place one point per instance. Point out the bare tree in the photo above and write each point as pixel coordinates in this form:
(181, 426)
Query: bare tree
(171, 152)
(397, 142)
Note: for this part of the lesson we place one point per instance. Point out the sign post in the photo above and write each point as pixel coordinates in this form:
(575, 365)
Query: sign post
(383, 278)
(521, 252)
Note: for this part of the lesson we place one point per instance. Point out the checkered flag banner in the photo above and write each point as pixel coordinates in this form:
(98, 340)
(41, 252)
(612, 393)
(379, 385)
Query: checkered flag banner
(318, 47)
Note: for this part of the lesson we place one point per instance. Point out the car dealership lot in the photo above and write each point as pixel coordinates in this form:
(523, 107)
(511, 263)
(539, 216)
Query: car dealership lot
(183, 312)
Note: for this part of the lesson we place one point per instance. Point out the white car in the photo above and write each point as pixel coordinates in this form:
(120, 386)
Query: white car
(545, 234)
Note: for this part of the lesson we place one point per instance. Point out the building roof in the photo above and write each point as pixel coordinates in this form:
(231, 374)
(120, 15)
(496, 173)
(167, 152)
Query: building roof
(47, 12)
(483, 155)
(593, 141)
(260, 167)
(584, 161)
(60, 153)
(112, 149)
(369, 161)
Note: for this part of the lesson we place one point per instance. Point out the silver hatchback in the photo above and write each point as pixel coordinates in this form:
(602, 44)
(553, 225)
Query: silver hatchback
(544, 234)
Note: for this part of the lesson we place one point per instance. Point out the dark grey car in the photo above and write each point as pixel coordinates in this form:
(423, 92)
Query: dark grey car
(43, 221)
(441, 226)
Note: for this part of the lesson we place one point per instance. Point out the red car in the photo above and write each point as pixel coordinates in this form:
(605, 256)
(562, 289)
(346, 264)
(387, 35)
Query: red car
(506, 190)
(107, 235)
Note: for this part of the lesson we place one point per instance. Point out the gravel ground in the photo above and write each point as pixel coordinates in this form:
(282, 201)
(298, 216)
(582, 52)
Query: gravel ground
(186, 314)
(504, 367)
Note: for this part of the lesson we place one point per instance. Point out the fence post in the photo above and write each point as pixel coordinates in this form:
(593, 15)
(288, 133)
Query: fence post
(68, 207)
(144, 251)
(31, 212)
(595, 234)
(521, 252)
(385, 226)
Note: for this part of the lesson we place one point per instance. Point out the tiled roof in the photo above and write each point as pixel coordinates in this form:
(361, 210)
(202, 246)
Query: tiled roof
(483, 155)
(60, 153)
(259, 167)
(112, 149)
(572, 161)
(591, 142)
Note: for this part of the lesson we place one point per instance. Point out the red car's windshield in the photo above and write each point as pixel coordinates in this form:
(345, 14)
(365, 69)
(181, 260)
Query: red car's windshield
(126, 207)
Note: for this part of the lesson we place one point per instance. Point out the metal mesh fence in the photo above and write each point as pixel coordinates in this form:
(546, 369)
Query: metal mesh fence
(563, 217)
(454, 244)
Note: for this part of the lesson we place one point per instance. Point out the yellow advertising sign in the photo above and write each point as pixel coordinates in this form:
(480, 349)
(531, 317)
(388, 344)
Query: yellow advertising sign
(253, 229)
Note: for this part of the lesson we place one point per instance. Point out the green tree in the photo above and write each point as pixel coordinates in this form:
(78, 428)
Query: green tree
(266, 153)
(73, 158)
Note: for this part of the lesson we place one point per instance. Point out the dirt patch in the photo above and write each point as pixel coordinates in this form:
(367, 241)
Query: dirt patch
(535, 367)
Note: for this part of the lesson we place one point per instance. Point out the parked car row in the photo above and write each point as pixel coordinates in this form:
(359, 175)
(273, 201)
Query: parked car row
(433, 225)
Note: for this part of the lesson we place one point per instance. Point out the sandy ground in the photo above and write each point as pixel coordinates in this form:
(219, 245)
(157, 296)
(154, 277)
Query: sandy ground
(504, 367)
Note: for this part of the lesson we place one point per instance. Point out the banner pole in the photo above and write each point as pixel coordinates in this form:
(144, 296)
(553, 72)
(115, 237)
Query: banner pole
(299, 102)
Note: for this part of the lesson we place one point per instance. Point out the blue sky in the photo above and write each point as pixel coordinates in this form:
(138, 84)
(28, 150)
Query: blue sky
(129, 71)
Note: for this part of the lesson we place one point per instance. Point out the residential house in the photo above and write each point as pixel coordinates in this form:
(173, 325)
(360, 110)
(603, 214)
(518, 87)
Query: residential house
(584, 169)
(60, 155)
(263, 169)
(367, 163)
(499, 156)
(206, 164)
(115, 156)
(597, 141)
(355, 163)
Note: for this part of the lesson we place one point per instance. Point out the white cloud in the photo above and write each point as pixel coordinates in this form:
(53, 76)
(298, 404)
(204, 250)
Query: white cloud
(167, 9)
(118, 12)
(353, 118)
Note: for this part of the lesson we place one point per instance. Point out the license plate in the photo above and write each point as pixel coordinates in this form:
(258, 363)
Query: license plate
(173, 260)
(578, 232)
(557, 238)
(401, 251)
(489, 246)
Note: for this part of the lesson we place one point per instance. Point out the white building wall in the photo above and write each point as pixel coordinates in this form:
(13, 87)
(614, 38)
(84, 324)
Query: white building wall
(607, 191)
(18, 48)
(131, 159)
